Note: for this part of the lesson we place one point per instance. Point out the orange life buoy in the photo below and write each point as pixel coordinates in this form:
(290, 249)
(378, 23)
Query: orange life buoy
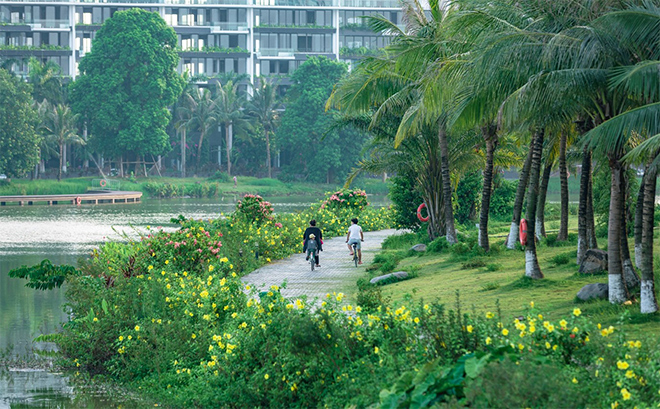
(419, 213)
(523, 232)
(78, 200)
(102, 183)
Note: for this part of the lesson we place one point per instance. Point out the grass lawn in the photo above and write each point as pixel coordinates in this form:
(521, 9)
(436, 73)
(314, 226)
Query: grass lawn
(484, 281)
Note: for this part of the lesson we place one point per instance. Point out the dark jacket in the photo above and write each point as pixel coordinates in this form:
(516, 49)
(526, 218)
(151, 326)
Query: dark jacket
(318, 237)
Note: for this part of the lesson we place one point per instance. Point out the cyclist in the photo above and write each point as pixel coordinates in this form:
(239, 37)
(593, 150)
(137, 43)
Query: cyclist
(312, 249)
(317, 236)
(355, 236)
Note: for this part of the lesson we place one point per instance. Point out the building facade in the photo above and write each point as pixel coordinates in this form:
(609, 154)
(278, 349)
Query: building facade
(268, 38)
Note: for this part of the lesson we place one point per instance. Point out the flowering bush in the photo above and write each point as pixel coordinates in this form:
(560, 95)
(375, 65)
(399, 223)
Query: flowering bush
(354, 199)
(253, 208)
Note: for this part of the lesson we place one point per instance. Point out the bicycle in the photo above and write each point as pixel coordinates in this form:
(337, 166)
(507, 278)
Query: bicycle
(312, 258)
(355, 254)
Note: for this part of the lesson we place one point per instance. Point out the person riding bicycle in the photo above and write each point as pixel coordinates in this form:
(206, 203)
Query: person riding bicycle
(314, 231)
(312, 248)
(355, 236)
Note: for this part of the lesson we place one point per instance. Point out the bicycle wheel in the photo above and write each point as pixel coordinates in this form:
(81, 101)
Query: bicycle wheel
(312, 260)
(355, 255)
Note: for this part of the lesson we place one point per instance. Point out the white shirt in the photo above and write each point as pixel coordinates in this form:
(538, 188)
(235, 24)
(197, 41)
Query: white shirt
(354, 231)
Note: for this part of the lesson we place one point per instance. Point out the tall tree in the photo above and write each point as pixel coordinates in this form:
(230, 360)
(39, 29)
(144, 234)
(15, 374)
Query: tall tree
(123, 92)
(265, 107)
(46, 80)
(19, 139)
(201, 110)
(59, 126)
(229, 111)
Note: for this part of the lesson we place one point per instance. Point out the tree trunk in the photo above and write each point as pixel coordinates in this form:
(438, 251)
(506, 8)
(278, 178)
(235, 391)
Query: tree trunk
(183, 152)
(591, 224)
(563, 178)
(543, 193)
(229, 141)
(59, 171)
(489, 133)
(648, 301)
(639, 210)
(270, 175)
(431, 184)
(532, 268)
(63, 166)
(520, 197)
(630, 277)
(583, 241)
(446, 186)
(617, 289)
(121, 166)
(199, 150)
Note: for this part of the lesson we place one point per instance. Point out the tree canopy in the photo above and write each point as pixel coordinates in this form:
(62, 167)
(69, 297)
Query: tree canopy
(127, 82)
(19, 140)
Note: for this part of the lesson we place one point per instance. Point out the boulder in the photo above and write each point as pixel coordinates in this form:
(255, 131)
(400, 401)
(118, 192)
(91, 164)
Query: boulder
(400, 275)
(589, 291)
(595, 261)
(418, 247)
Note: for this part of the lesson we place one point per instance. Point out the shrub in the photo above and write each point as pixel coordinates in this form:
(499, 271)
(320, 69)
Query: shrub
(468, 196)
(438, 245)
(493, 267)
(353, 199)
(564, 258)
(501, 201)
(220, 176)
(405, 201)
(253, 208)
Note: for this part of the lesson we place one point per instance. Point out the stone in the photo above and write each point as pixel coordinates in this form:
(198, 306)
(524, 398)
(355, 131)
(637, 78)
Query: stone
(401, 275)
(595, 261)
(418, 247)
(589, 291)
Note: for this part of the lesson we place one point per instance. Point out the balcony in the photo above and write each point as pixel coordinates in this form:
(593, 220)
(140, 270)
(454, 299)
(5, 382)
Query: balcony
(366, 4)
(42, 50)
(297, 3)
(214, 52)
(39, 24)
(219, 26)
(309, 28)
(175, 2)
(276, 53)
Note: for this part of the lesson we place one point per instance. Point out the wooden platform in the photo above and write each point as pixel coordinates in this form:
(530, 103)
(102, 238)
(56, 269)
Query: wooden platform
(92, 197)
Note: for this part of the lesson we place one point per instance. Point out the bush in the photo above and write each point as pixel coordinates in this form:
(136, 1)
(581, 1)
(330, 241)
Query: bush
(438, 245)
(564, 258)
(405, 201)
(220, 176)
(468, 197)
(501, 201)
(353, 199)
(254, 209)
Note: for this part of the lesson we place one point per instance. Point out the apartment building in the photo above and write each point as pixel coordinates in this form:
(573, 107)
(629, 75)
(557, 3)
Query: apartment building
(253, 37)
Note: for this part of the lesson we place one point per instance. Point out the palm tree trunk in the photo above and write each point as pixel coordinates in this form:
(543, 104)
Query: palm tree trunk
(543, 193)
(59, 171)
(431, 184)
(446, 186)
(617, 288)
(520, 197)
(630, 277)
(639, 211)
(648, 301)
(583, 241)
(563, 178)
(229, 136)
(491, 144)
(591, 224)
(183, 152)
(270, 175)
(532, 268)
(199, 150)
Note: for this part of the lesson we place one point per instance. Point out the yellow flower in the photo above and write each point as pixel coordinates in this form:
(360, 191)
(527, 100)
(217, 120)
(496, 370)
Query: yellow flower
(137, 327)
(547, 345)
(630, 374)
(376, 350)
(626, 395)
(469, 327)
(531, 304)
(563, 323)
(577, 312)
(211, 268)
(489, 315)
(505, 332)
(622, 365)
(121, 338)
(266, 376)
(193, 336)
(574, 380)
(488, 341)
(96, 319)
(204, 294)
(167, 261)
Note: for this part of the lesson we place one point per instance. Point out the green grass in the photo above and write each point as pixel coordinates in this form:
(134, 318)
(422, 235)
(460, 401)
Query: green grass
(246, 184)
(483, 280)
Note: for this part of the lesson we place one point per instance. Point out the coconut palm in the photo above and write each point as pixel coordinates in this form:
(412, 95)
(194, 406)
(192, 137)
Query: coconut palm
(46, 80)
(59, 126)
(200, 108)
(229, 111)
(265, 107)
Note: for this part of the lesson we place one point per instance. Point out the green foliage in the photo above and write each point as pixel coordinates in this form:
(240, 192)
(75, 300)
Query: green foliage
(19, 141)
(564, 258)
(438, 245)
(170, 190)
(43, 276)
(501, 202)
(405, 199)
(404, 241)
(468, 197)
(254, 209)
(311, 149)
(123, 92)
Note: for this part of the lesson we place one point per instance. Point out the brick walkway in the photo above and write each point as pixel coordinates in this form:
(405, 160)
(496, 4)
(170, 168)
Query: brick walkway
(336, 274)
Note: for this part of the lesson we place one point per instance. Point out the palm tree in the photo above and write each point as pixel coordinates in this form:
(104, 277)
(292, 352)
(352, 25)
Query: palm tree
(229, 106)
(264, 107)
(200, 114)
(46, 80)
(59, 125)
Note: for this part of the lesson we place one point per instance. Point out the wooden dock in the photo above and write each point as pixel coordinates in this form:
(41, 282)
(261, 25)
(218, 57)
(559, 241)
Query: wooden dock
(92, 197)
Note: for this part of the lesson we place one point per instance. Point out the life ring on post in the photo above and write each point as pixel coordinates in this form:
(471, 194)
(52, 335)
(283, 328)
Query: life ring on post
(523, 232)
(78, 200)
(419, 213)
(102, 183)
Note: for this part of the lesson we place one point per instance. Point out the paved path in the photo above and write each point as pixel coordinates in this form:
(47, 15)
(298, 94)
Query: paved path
(336, 274)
